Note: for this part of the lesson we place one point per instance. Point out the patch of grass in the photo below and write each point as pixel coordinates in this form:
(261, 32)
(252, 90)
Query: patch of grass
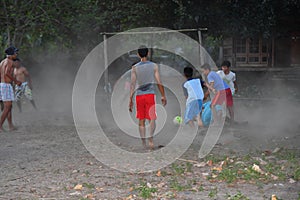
(178, 169)
(275, 170)
(284, 164)
(215, 158)
(232, 173)
(247, 158)
(87, 173)
(88, 185)
(213, 193)
(250, 174)
(229, 175)
(189, 167)
(287, 154)
(175, 185)
(297, 175)
(201, 188)
(146, 192)
(238, 196)
(163, 173)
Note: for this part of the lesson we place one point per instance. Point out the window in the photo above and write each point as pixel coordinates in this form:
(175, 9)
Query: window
(241, 46)
(253, 45)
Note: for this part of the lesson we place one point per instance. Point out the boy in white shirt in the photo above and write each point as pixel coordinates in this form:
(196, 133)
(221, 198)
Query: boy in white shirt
(194, 98)
(228, 76)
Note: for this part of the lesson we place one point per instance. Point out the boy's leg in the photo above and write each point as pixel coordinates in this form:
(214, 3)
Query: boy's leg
(229, 104)
(152, 126)
(231, 114)
(33, 104)
(6, 110)
(198, 117)
(142, 131)
(191, 123)
(28, 94)
(9, 120)
(2, 105)
(214, 113)
(18, 94)
(199, 120)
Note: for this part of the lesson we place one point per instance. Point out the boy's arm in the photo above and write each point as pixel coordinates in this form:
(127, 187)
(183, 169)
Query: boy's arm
(9, 73)
(210, 86)
(235, 86)
(206, 94)
(132, 87)
(185, 92)
(234, 82)
(160, 86)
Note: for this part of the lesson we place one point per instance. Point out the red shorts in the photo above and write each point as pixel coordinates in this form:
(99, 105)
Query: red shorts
(223, 96)
(145, 106)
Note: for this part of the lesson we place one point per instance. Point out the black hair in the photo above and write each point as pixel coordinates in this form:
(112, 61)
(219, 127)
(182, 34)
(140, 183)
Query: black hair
(11, 50)
(17, 59)
(188, 72)
(143, 51)
(133, 64)
(206, 66)
(226, 63)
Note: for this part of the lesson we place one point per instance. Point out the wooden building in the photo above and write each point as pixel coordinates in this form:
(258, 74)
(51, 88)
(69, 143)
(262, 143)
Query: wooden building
(263, 53)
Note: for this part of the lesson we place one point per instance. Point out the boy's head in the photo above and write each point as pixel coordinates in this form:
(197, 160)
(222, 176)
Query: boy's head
(206, 69)
(143, 51)
(225, 66)
(17, 62)
(188, 72)
(11, 52)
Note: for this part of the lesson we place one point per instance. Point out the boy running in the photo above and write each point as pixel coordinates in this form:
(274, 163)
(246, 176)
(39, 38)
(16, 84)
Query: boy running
(145, 73)
(6, 89)
(221, 90)
(22, 75)
(194, 98)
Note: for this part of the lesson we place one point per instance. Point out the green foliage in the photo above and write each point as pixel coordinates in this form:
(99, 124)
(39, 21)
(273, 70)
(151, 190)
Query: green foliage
(49, 26)
(88, 185)
(213, 193)
(175, 185)
(297, 174)
(238, 196)
(146, 192)
(178, 169)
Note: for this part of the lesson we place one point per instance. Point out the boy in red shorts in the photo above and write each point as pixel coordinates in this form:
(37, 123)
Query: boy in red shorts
(145, 73)
(221, 90)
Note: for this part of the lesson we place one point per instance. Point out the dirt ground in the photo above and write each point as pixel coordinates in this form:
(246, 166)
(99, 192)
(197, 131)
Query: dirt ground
(45, 158)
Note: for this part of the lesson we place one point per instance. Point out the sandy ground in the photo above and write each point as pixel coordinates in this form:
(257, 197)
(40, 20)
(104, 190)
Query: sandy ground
(45, 158)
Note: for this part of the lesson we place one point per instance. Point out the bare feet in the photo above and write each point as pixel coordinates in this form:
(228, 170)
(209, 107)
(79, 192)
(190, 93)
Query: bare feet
(12, 128)
(151, 144)
(144, 143)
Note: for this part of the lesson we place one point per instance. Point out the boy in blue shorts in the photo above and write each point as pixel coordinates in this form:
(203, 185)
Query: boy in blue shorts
(194, 98)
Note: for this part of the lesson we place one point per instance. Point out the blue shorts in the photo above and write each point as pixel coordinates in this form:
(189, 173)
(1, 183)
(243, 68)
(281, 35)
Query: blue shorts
(192, 110)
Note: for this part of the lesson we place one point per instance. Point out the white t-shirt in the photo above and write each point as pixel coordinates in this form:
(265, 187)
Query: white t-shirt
(193, 90)
(229, 79)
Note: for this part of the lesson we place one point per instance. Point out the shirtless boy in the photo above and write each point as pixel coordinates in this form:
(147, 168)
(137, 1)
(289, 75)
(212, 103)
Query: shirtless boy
(22, 75)
(6, 89)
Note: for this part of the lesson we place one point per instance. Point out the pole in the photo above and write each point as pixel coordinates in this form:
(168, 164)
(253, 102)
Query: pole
(106, 81)
(200, 45)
